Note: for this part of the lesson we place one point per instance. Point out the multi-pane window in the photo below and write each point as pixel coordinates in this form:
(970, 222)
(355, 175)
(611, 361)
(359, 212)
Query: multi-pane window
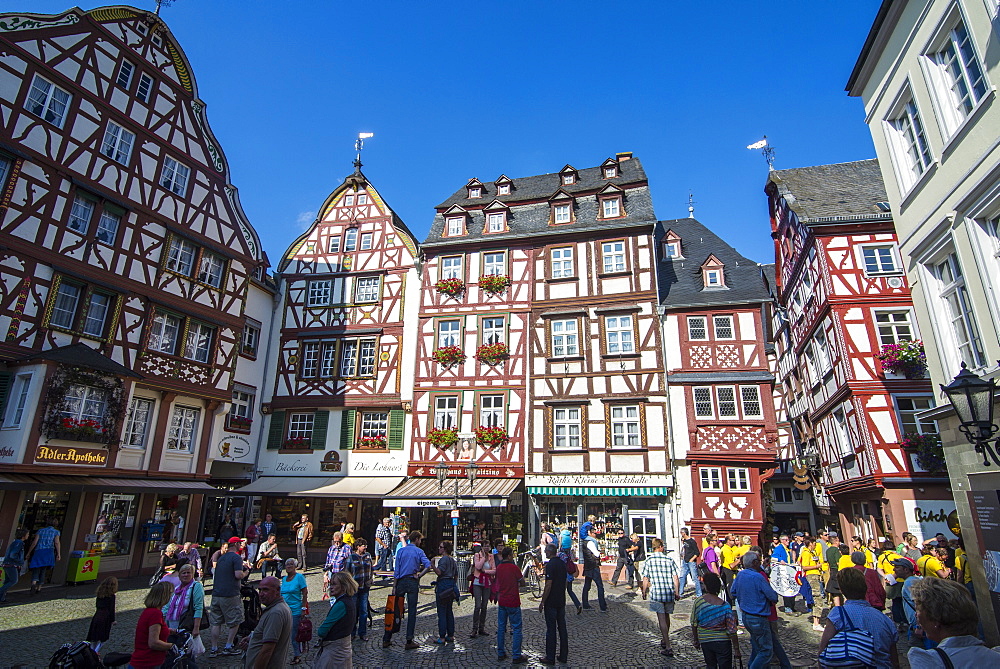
(300, 425)
(908, 144)
(366, 241)
(824, 361)
(782, 495)
(117, 143)
(493, 331)
(242, 404)
(64, 308)
(750, 401)
(561, 213)
(349, 200)
(366, 289)
(713, 278)
(697, 328)
(80, 214)
(79, 308)
(449, 333)
(199, 341)
(726, 397)
(164, 332)
(451, 267)
(476, 192)
(625, 426)
(564, 338)
(251, 339)
(569, 179)
(362, 198)
(125, 71)
(672, 249)
(879, 259)
(210, 269)
(319, 292)
(107, 227)
(611, 207)
(723, 326)
(703, 407)
(85, 403)
(47, 101)
(566, 427)
(18, 401)
(136, 431)
(842, 436)
(334, 244)
(174, 176)
(491, 411)
(964, 329)
(610, 172)
(328, 359)
(446, 412)
(711, 479)
(907, 409)
(738, 479)
(357, 357)
(614, 256)
(618, 330)
(145, 87)
(351, 240)
(958, 78)
(562, 262)
(374, 423)
(495, 222)
(310, 360)
(503, 189)
(95, 319)
(181, 255)
(456, 226)
(894, 326)
(495, 262)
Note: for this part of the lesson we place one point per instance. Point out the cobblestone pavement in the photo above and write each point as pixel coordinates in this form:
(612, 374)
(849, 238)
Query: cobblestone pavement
(32, 628)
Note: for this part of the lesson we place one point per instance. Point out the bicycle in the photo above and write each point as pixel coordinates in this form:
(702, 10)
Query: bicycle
(530, 564)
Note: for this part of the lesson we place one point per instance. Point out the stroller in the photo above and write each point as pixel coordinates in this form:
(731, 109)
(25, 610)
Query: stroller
(180, 657)
(251, 610)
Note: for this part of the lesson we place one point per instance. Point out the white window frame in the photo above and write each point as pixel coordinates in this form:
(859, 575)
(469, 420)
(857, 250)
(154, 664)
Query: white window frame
(446, 412)
(165, 332)
(449, 332)
(610, 172)
(349, 200)
(350, 240)
(319, 293)
(613, 257)
(118, 143)
(362, 198)
(374, 424)
(496, 221)
(367, 239)
(672, 249)
(334, 244)
(890, 329)
(841, 433)
(17, 402)
(620, 334)
(567, 427)
(251, 337)
(920, 427)
(726, 403)
(907, 141)
(455, 226)
(949, 295)
(495, 263)
(66, 305)
(561, 213)
(879, 255)
(568, 179)
(83, 402)
(200, 337)
(211, 269)
(562, 262)
(713, 278)
(452, 267)
(696, 324)
(242, 404)
(956, 77)
(144, 90)
(503, 189)
(492, 410)
(625, 426)
(716, 319)
(710, 479)
(81, 213)
(738, 479)
(174, 176)
(301, 425)
(366, 288)
(565, 338)
(97, 313)
(750, 402)
(181, 256)
(494, 330)
(107, 227)
(475, 191)
(135, 434)
(125, 72)
(611, 207)
(362, 359)
(825, 361)
(48, 101)
(309, 367)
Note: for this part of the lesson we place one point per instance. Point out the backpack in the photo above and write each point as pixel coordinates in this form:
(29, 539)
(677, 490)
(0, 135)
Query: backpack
(77, 655)
(849, 647)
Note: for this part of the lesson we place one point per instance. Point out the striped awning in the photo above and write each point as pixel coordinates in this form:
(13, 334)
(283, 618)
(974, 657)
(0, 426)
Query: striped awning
(573, 491)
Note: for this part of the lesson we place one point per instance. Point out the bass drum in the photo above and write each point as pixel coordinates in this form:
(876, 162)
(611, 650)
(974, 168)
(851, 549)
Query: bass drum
(783, 579)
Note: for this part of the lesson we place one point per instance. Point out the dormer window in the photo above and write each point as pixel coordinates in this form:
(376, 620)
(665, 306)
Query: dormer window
(713, 274)
(455, 226)
(611, 207)
(610, 172)
(569, 179)
(560, 213)
(503, 189)
(671, 245)
(474, 188)
(496, 222)
(562, 208)
(476, 192)
(713, 278)
(568, 175)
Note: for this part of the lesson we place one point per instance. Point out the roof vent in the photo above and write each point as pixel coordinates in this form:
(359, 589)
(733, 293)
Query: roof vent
(883, 206)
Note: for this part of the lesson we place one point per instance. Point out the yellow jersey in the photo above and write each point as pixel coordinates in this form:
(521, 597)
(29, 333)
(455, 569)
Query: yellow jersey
(742, 550)
(885, 561)
(845, 562)
(962, 562)
(729, 556)
(928, 565)
(808, 559)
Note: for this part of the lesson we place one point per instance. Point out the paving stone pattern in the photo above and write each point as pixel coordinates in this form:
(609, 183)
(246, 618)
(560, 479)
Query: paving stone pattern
(32, 628)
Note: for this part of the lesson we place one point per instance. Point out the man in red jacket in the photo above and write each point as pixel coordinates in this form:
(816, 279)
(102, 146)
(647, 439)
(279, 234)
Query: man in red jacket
(875, 594)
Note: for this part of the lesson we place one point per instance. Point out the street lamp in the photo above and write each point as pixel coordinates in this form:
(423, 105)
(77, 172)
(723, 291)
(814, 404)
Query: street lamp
(471, 469)
(972, 399)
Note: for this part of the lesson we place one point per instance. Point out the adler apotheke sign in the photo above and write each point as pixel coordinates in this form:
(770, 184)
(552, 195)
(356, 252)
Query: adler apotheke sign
(71, 455)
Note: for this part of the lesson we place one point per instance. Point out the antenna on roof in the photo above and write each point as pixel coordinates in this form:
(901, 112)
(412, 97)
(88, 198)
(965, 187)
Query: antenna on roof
(690, 204)
(765, 149)
(359, 144)
(162, 3)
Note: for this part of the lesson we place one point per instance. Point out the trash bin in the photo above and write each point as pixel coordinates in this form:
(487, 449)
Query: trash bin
(464, 567)
(83, 569)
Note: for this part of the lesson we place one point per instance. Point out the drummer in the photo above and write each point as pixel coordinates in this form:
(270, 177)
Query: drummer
(782, 554)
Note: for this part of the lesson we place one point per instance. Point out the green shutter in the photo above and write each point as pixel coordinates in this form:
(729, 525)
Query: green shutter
(276, 431)
(320, 422)
(397, 418)
(5, 379)
(347, 421)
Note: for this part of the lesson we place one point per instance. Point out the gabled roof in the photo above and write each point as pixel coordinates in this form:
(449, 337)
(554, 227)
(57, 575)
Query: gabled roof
(827, 191)
(81, 355)
(680, 282)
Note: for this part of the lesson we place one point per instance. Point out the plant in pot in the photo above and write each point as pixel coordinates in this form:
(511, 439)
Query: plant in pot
(80, 429)
(905, 357)
(452, 287)
(930, 454)
(297, 443)
(492, 354)
(449, 355)
(494, 283)
(491, 437)
(443, 437)
(374, 441)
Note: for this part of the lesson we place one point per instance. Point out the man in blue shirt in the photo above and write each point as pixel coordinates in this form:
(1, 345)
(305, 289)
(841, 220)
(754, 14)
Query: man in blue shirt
(754, 596)
(411, 564)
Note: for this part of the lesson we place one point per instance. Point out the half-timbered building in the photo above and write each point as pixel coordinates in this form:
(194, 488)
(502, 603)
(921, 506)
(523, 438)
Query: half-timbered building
(341, 379)
(126, 265)
(715, 306)
(847, 313)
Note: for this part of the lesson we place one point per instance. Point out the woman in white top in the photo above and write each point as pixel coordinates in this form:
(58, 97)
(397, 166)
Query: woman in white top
(948, 616)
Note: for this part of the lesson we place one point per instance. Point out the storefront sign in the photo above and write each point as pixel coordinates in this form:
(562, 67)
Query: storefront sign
(599, 480)
(985, 507)
(925, 518)
(7, 454)
(290, 467)
(233, 447)
(377, 464)
(331, 462)
(478, 502)
(503, 471)
(70, 455)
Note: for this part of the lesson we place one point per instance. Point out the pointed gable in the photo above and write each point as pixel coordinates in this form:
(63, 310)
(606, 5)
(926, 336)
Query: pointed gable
(610, 169)
(713, 272)
(504, 185)
(568, 175)
(474, 189)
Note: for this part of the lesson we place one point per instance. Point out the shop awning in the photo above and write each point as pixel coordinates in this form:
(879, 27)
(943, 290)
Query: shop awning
(321, 486)
(656, 491)
(99, 483)
(427, 492)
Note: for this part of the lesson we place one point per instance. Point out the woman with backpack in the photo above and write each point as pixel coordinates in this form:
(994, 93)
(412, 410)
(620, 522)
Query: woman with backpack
(572, 569)
(856, 633)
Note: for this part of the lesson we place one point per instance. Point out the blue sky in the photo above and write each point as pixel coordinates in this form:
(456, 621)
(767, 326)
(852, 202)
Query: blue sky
(458, 90)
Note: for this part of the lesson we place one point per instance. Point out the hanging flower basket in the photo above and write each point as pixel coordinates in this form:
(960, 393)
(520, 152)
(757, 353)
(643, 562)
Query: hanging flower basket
(491, 436)
(492, 354)
(300, 443)
(494, 283)
(930, 454)
(443, 438)
(449, 355)
(375, 441)
(906, 357)
(452, 287)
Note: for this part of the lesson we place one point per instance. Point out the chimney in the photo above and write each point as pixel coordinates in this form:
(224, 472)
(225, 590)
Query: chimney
(622, 157)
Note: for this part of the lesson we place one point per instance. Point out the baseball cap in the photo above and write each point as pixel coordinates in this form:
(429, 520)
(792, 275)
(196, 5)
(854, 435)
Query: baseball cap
(799, 534)
(902, 562)
(234, 540)
(834, 535)
(857, 557)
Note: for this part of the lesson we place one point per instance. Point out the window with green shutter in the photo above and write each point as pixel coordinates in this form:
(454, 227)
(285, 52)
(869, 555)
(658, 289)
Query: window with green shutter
(276, 432)
(347, 421)
(397, 419)
(320, 422)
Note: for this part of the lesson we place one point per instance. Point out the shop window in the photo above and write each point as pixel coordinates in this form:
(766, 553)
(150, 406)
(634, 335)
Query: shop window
(115, 524)
(39, 506)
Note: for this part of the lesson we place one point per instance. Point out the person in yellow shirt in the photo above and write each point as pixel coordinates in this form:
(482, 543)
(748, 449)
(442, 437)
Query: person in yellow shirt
(349, 534)
(729, 561)
(709, 539)
(811, 569)
(858, 544)
(930, 565)
(744, 546)
(845, 561)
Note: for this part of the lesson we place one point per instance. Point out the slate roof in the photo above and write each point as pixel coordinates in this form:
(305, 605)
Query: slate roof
(527, 218)
(824, 191)
(81, 355)
(680, 282)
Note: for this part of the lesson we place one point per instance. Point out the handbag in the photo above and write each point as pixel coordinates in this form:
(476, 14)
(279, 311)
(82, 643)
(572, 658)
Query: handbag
(849, 647)
(305, 631)
(571, 567)
(187, 620)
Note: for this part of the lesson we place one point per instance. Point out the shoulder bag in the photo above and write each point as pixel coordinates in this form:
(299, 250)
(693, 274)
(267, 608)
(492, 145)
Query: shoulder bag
(849, 647)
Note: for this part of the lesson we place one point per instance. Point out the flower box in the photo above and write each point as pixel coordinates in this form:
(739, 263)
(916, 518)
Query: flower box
(80, 429)
(250, 351)
(494, 283)
(930, 454)
(375, 441)
(491, 437)
(492, 354)
(905, 357)
(452, 287)
(300, 443)
(240, 422)
(443, 438)
(449, 355)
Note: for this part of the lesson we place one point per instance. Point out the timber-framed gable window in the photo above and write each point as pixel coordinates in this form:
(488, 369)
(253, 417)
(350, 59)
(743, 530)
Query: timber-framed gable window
(174, 176)
(125, 72)
(350, 240)
(493, 330)
(613, 257)
(186, 258)
(722, 326)
(451, 267)
(86, 208)
(619, 334)
(446, 412)
(334, 244)
(880, 259)
(135, 433)
(491, 410)
(449, 333)
(697, 328)
(183, 429)
(957, 80)
(144, 91)
(345, 358)
(118, 143)
(625, 423)
(367, 240)
(564, 337)
(567, 427)
(47, 101)
(81, 308)
(893, 325)
(495, 263)
(183, 336)
(240, 416)
(326, 292)
(561, 263)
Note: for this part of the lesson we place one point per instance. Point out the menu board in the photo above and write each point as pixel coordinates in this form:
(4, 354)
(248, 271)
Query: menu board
(986, 517)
